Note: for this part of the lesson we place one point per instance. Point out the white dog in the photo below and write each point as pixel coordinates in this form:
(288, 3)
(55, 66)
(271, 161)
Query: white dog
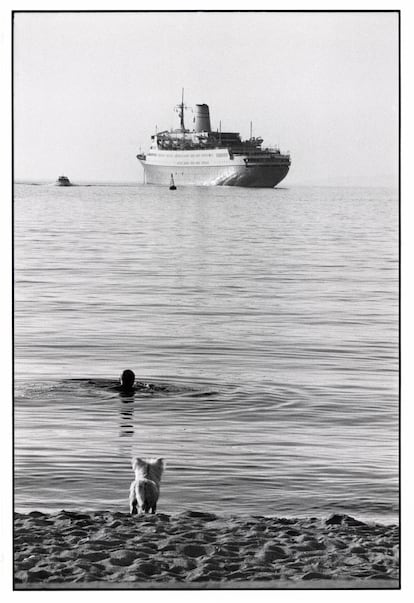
(145, 489)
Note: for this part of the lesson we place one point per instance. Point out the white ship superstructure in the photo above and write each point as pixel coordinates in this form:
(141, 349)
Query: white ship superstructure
(201, 157)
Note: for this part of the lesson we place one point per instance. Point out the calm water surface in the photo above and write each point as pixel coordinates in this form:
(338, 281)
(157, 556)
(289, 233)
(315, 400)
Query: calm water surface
(270, 318)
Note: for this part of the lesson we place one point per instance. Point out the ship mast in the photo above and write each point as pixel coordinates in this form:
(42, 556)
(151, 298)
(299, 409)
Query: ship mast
(180, 108)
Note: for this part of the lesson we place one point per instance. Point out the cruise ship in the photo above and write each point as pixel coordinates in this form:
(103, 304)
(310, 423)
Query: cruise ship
(202, 157)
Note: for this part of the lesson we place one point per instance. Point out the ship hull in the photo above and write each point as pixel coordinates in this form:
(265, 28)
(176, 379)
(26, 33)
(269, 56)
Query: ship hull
(259, 176)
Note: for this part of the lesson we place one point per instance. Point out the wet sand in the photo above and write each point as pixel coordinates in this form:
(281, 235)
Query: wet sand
(103, 550)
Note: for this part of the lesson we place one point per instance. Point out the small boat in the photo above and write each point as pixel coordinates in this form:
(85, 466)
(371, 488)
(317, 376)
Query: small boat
(63, 181)
(172, 185)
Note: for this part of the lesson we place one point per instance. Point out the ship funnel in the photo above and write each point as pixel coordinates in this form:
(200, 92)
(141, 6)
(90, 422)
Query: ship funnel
(202, 118)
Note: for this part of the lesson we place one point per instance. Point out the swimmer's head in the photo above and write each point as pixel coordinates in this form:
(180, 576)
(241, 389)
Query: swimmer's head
(127, 379)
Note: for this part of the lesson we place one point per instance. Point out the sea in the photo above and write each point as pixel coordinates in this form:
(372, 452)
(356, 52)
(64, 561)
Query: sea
(262, 323)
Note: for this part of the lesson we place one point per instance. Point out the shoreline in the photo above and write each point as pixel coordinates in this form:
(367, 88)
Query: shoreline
(193, 549)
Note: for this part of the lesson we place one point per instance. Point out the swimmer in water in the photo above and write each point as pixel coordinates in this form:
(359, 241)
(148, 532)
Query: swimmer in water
(127, 380)
(129, 385)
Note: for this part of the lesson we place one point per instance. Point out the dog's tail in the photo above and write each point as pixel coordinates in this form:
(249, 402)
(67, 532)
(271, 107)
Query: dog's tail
(148, 493)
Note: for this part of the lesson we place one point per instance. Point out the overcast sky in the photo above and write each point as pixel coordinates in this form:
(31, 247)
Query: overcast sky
(90, 89)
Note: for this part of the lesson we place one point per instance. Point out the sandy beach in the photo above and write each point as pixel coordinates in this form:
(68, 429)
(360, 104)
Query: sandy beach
(202, 550)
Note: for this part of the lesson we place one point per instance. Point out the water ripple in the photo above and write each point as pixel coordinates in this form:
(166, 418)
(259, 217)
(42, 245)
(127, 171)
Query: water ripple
(269, 319)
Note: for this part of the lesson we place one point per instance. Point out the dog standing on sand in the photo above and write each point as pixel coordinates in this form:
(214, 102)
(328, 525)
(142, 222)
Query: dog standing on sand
(145, 489)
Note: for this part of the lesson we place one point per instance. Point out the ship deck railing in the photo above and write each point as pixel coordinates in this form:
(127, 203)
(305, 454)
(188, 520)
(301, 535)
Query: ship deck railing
(235, 150)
